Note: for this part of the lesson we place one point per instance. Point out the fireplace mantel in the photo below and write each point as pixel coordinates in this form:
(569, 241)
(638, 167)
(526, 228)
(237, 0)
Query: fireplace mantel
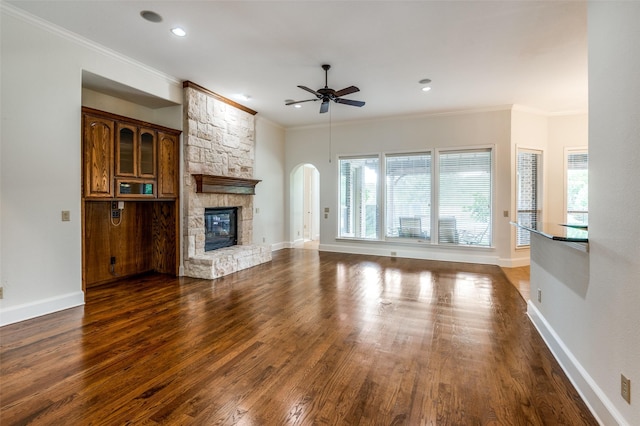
(211, 184)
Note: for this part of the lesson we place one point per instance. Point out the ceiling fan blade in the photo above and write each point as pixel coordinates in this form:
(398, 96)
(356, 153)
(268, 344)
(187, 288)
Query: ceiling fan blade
(299, 102)
(350, 102)
(324, 107)
(310, 91)
(347, 91)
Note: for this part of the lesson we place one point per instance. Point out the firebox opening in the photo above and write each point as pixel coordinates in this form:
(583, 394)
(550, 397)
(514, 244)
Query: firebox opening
(220, 227)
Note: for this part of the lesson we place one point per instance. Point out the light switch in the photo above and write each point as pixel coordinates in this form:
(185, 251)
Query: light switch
(66, 215)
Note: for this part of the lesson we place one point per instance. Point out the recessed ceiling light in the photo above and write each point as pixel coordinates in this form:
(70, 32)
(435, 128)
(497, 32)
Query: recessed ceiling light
(177, 31)
(297, 106)
(151, 16)
(426, 88)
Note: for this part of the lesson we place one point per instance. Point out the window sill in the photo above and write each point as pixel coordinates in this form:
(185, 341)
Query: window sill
(414, 243)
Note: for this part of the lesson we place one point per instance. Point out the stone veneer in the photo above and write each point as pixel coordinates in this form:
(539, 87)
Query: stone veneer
(218, 140)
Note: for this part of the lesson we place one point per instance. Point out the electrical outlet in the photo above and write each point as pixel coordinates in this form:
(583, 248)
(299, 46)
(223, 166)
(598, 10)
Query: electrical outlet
(393, 253)
(625, 388)
(114, 205)
(115, 214)
(113, 260)
(539, 295)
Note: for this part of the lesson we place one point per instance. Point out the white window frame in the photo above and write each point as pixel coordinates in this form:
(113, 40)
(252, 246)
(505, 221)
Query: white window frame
(383, 216)
(567, 152)
(435, 195)
(379, 194)
(540, 188)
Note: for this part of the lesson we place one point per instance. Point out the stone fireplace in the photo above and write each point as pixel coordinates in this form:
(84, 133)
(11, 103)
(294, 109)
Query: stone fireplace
(219, 139)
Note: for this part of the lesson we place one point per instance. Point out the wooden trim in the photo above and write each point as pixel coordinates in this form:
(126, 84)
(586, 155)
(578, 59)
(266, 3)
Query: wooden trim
(129, 120)
(227, 101)
(225, 185)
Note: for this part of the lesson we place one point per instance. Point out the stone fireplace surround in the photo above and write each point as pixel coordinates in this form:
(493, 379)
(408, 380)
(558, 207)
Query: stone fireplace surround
(219, 138)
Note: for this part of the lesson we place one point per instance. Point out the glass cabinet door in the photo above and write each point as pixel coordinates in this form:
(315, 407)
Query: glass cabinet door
(147, 153)
(125, 152)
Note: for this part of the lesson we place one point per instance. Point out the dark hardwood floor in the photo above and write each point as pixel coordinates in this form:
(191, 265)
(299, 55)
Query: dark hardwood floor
(310, 338)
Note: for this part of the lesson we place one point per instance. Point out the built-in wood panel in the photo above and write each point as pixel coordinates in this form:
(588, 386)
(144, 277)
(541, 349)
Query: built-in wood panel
(128, 239)
(168, 166)
(98, 156)
(165, 237)
(146, 237)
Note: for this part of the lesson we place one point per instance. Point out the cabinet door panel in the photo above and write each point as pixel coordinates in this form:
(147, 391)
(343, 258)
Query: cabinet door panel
(167, 165)
(98, 157)
(147, 154)
(126, 153)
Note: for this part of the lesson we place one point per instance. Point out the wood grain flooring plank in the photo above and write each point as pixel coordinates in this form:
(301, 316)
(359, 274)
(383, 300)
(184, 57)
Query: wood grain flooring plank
(309, 338)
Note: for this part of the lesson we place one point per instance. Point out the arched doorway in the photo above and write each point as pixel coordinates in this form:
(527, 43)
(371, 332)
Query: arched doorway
(305, 206)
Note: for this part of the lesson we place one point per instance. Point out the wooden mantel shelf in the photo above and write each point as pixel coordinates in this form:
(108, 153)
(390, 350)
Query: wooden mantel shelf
(225, 185)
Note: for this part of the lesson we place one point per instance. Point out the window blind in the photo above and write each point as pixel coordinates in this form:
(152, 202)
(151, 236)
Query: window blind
(528, 193)
(464, 193)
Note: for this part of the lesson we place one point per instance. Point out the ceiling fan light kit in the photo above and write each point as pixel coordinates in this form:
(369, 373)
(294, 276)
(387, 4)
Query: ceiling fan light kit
(326, 94)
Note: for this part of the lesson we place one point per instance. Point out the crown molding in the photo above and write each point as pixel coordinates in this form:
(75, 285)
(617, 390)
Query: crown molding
(194, 86)
(38, 22)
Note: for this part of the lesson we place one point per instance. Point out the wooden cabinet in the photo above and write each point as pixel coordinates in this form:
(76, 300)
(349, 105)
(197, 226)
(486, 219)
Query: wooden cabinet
(97, 148)
(138, 163)
(168, 167)
(135, 151)
(128, 159)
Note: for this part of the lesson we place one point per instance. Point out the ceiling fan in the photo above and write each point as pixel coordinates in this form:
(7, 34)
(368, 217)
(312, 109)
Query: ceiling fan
(326, 95)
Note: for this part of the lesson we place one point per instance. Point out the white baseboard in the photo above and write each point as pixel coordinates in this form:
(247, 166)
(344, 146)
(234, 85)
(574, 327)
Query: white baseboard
(515, 262)
(446, 254)
(38, 308)
(599, 404)
(279, 246)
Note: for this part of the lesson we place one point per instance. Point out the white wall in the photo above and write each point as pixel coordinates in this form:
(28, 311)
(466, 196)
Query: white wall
(317, 145)
(168, 116)
(565, 132)
(610, 343)
(592, 322)
(269, 203)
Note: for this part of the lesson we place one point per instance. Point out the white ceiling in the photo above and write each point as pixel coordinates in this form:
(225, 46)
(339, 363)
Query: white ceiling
(479, 54)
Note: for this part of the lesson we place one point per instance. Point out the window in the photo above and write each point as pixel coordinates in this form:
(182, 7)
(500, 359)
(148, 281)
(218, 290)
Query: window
(460, 198)
(408, 195)
(578, 187)
(358, 194)
(528, 192)
(465, 197)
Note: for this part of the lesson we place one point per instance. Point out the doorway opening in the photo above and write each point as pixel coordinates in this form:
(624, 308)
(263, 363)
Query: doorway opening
(305, 207)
